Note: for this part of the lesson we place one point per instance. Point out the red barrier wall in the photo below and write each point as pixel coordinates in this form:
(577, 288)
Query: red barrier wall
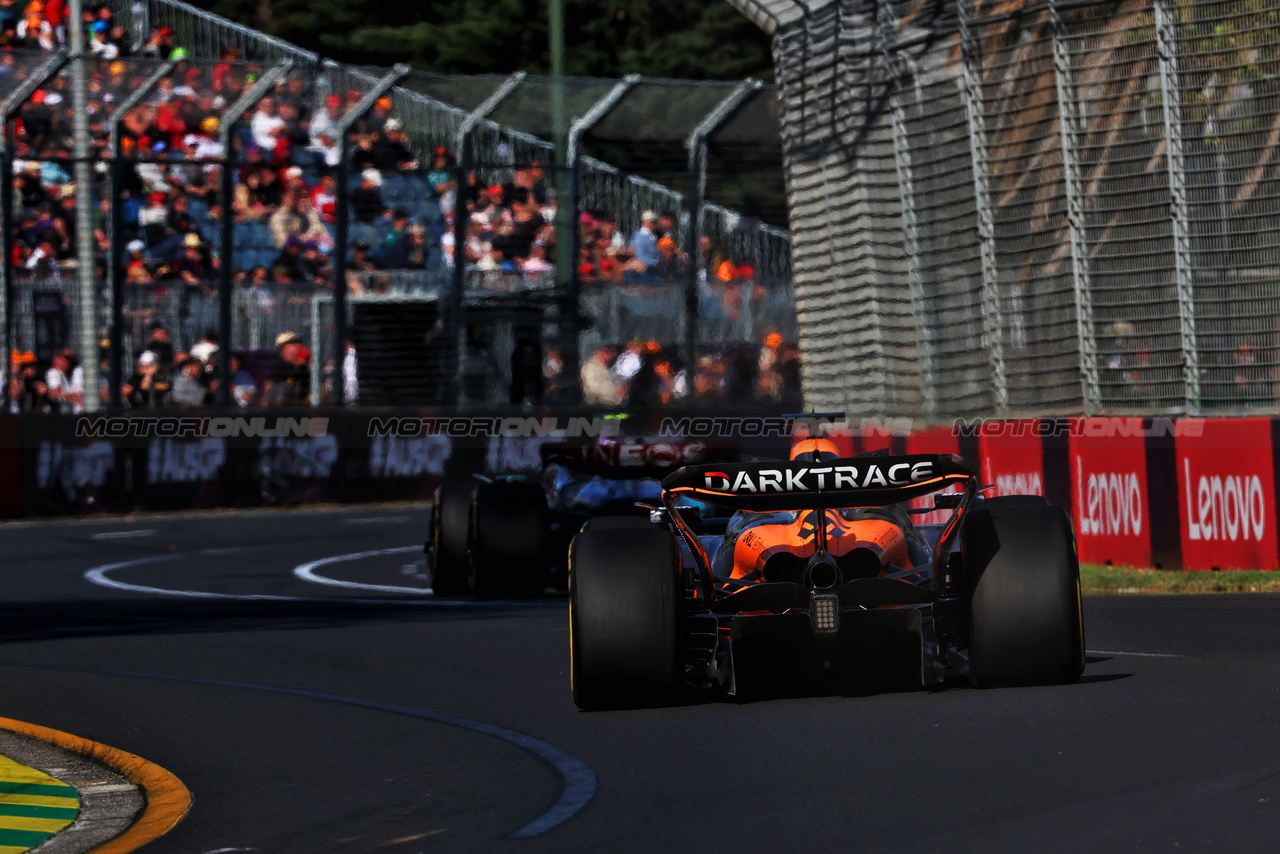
(1110, 503)
(1012, 458)
(1227, 495)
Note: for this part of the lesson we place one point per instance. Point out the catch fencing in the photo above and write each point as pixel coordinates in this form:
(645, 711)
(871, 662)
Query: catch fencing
(704, 156)
(1034, 207)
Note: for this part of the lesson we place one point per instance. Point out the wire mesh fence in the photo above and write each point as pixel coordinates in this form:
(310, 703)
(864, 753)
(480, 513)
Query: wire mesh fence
(223, 190)
(1078, 199)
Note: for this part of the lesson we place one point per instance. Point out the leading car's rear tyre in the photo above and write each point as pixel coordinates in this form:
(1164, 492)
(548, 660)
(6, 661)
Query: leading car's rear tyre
(450, 529)
(625, 602)
(1023, 575)
(508, 540)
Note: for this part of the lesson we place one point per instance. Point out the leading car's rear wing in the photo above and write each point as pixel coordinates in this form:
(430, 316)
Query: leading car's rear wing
(799, 485)
(637, 458)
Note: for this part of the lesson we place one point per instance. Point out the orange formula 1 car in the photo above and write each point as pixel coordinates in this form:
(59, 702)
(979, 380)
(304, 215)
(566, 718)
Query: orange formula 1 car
(819, 574)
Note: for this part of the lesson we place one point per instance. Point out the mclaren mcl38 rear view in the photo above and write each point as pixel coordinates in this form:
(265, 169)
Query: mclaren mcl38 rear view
(810, 571)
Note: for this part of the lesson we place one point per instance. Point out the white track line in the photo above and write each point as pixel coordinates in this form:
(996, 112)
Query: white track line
(307, 572)
(99, 575)
(123, 535)
(1133, 654)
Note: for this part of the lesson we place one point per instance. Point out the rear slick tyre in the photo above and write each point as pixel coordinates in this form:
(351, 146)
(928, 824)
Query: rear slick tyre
(508, 541)
(1023, 575)
(450, 531)
(625, 602)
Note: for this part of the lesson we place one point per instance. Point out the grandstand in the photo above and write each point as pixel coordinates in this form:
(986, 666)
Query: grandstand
(704, 290)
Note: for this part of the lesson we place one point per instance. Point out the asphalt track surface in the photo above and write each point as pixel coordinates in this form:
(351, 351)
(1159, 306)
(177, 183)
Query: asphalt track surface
(309, 717)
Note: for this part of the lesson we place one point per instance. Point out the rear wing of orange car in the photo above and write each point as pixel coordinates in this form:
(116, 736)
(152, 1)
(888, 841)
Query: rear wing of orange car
(865, 481)
(868, 481)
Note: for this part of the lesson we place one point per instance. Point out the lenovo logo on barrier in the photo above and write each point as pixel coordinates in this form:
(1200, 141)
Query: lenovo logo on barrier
(1231, 507)
(819, 478)
(1112, 503)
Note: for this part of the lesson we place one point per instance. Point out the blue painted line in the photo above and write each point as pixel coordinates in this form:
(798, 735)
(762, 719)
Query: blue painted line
(577, 780)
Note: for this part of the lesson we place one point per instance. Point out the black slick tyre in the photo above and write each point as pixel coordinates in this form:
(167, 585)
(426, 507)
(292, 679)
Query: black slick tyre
(508, 540)
(450, 530)
(1023, 577)
(625, 601)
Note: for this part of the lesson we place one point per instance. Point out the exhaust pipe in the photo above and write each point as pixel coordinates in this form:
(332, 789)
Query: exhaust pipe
(822, 573)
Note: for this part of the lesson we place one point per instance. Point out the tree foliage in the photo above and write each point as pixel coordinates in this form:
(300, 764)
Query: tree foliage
(706, 40)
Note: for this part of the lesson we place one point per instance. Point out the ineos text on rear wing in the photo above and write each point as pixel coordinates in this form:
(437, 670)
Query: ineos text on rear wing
(852, 482)
(636, 458)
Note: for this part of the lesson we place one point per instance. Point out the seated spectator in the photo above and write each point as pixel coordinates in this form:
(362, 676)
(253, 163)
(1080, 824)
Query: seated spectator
(289, 378)
(191, 266)
(148, 387)
(536, 267)
(359, 264)
(644, 243)
(324, 199)
(672, 267)
(598, 385)
(135, 263)
(154, 219)
(64, 384)
(159, 343)
(408, 251)
(188, 386)
(324, 131)
(206, 348)
(376, 120)
(159, 44)
(34, 30)
(294, 138)
(316, 265)
(26, 389)
(290, 261)
(179, 219)
(297, 218)
(267, 128)
(390, 151)
(44, 262)
(244, 390)
(366, 200)
(8, 17)
(362, 156)
(250, 201)
(441, 174)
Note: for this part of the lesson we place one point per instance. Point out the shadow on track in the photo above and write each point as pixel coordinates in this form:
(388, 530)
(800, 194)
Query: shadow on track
(88, 618)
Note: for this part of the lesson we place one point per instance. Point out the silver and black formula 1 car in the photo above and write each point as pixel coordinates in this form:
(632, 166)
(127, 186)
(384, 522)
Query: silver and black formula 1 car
(508, 536)
(819, 574)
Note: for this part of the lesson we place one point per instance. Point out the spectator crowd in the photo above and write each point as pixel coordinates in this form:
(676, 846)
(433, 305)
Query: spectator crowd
(283, 215)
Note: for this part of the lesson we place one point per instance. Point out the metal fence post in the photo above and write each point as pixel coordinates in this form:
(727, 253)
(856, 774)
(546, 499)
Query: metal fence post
(1069, 132)
(992, 311)
(341, 226)
(1171, 98)
(86, 263)
(226, 251)
(888, 20)
(696, 145)
(570, 324)
(461, 219)
(45, 72)
(115, 266)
